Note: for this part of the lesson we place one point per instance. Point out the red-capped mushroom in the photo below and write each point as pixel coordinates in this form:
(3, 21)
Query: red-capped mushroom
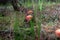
(57, 32)
(28, 17)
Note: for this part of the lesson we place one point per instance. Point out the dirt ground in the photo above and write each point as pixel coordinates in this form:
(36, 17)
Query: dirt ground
(51, 22)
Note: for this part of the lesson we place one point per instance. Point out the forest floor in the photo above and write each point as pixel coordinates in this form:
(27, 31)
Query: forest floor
(50, 21)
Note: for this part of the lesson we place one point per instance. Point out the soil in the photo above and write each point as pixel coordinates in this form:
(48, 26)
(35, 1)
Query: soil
(51, 22)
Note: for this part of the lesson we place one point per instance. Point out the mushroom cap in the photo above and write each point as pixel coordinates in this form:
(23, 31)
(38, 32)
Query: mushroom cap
(30, 12)
(29, 17)
(57, 32)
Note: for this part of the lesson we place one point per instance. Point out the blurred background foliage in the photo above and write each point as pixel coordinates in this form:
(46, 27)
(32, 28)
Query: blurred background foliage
(15, 20)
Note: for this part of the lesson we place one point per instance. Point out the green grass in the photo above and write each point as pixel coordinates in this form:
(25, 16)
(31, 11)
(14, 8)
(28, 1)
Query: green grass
(16, 28)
